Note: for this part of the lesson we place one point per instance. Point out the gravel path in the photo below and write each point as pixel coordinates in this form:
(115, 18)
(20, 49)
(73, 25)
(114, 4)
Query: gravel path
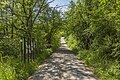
(63, 65)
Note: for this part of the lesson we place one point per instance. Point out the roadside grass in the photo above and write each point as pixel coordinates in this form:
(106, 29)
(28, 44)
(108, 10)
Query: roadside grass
(105, 69)
(12, 69)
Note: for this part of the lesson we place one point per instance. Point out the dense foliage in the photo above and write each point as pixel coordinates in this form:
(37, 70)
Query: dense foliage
(93, 27)
(29, 32)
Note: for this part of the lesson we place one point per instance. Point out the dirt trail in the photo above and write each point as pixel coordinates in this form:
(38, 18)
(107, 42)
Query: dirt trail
(63, 65)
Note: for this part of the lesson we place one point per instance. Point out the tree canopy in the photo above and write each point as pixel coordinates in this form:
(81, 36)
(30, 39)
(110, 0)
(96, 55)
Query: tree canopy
(30, 31)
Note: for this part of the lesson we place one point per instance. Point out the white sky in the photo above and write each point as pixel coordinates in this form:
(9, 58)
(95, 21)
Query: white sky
(60, 3)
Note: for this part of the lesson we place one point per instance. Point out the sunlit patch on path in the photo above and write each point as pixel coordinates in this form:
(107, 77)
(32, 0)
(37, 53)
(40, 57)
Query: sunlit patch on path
(63, 65)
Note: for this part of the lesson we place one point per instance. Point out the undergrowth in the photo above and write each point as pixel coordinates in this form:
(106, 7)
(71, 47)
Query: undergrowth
(12, 69)
(105, 68)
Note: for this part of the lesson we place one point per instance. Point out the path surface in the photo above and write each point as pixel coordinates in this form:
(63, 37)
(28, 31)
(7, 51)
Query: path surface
(63, 65)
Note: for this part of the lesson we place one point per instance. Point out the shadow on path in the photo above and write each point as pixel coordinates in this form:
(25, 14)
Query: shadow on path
(63, 65)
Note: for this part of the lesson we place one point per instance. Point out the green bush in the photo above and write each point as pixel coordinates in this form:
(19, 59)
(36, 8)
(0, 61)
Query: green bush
(98, 58)
(7, 72)
(12, 69)
(104, 68)
(72, 43)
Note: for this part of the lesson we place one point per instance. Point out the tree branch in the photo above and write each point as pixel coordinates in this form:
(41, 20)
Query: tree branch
(40, 9)
(23, 5)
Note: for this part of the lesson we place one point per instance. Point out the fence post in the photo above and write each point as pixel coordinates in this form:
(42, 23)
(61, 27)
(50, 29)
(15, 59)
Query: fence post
(21, 48)
(24, 55)
(33, 48)
(28, 50)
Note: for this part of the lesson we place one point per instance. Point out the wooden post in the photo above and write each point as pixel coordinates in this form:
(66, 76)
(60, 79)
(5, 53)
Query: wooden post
(21, 48)
(28, 49)
(24, 56)
(33, 48)
(12, 29)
